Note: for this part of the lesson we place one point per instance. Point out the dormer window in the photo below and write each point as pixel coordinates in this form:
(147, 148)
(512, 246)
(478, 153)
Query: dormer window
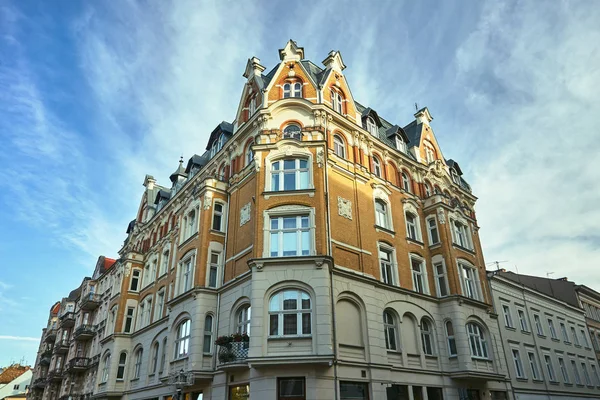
(429, 154)
(371, 126)
(251, 107)
(292, 132)
(400, 145)
(455, 176)
(377, 167)
(337, 101)
(292, 90)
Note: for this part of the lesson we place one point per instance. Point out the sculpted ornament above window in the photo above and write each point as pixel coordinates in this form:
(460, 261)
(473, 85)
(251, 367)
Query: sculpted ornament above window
(245, 214)
(344, 208)
(441, 216)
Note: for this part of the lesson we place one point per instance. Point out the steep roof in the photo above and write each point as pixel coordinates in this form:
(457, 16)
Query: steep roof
(560, 289)
(12, 372)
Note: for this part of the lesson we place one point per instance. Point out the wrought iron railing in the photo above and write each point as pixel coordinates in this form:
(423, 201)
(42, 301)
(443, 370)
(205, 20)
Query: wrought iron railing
(233, 352)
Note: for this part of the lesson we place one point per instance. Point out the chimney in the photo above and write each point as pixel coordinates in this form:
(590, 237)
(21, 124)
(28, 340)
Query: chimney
(149, 182)
(334, 61)
(423, 116)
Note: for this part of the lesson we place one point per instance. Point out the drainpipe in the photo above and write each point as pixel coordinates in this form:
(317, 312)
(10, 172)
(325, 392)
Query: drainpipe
(330, 251)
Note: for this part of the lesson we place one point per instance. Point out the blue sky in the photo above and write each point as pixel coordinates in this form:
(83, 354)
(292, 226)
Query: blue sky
(94, 95)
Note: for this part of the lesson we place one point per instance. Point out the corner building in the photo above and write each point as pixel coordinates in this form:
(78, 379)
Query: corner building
(344, 246)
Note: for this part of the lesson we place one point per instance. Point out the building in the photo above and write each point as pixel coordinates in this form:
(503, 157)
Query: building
(313, 251)
(545, 338)
(589, 299)
(14, 381)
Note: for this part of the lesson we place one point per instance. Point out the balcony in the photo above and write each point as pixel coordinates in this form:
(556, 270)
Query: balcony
(45, 359)
(39, 383)
(61, 347)
(79, 364)
(67, 320)
(95, 360)
(55, 375)
(233, 353)
(90, 301)
(50, 336)
(84, 333)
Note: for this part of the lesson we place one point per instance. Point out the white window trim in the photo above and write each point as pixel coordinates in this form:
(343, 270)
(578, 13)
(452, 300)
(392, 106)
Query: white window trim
(243, 326)
(214, 247)
(454, 217)
(158, 311)
(408, 207)
(176, 353)
(208, 333)
(388, 212)
(522, 320)
(190, 256)
(394, 326)
(341, 145)
(392, 251)
(462, 263)
(450, 338)
(533, 365)
(298, 312)
(224, 213)
(287, 150)
(424, 275)
(288, 210)
(518, 363)
(438, 259)
(139, 280)
(429, 236)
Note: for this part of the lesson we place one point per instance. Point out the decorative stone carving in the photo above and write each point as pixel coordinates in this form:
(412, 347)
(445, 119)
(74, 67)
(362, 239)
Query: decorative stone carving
(207, 201)
(127, 269)
(441, 216)
(320, 157)
(259, 267)
(245, 213)
(344, 208)
(319, 263)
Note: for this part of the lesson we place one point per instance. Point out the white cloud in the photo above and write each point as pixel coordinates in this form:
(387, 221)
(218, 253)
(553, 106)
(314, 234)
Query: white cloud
(19, 338)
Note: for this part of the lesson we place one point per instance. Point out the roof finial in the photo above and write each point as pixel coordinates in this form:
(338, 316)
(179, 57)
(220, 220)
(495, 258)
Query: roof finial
(181, 159)
(416, 107)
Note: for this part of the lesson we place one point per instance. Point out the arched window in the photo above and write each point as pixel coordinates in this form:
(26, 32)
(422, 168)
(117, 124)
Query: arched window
(182, 342)
(292, 90)
(339, 148)
(427, 337)
(290, 313)
(251, 106)
(371, 126)
(461, 234)
(406, 182)
(289, 174)
(105, 368)
(292, 132)
(297, 89)
(163, 355)
(139, 354)
(287, 90)
(154, 361)
(249, 153)
(337, 101)
(122, 365)
(427, 189)
(429, 153)
(450, 339)
(377, 167)
(391, 331)
(412, 228)
(477, 341)
(208, 328)
(437, 190)
(243, 319)
(382, 217)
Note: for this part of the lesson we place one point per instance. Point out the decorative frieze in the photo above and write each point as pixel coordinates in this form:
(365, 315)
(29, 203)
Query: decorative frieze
(245, 213)
(344, 208)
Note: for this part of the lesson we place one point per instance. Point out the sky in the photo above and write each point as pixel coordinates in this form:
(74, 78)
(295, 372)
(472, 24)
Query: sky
(94, 95)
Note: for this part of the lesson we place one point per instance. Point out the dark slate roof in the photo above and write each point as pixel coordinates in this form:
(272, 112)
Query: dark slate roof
(74, 295)
(559, 289)
(267, 78)
(130, 226)
(453, 164)
(198, 161)
(180, 171)
(162, 194)
(223, 128)
(313, 70)
(396, 130)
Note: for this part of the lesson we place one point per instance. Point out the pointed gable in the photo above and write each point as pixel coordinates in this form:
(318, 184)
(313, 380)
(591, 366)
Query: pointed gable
(333, 82)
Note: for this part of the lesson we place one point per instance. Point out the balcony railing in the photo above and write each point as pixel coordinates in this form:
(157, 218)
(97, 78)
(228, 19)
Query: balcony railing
(55, 375)
(79, 364)
(50, 336)
(62, 346)
(90, 301)
(233, 352)
(95, 360)
(84, 332)
(67, 320)
(39, 383)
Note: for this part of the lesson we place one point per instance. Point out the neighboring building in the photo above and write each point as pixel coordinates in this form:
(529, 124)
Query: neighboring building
(343, 246)
(14, 381)
(589, 299)
(545, 338)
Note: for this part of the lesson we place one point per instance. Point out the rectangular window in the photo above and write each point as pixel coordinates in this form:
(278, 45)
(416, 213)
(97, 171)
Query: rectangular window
(381, 214)
(186, 275)
(290, 236)
(419, 275)
(596, 376)
(441, 280)
(289, 174)
(129, 319)
(164, 264)
(574, 336)
(191, 226)
(535, 373)
(354, 391)
(576, 372)
(135, 280)
(507, 316)
(291, 388)
(586, 374)
(218, 212)
(518, 364)
(469, 281)
(523, 320)
(563, 330)
(461, 235)
(160, 303)
(584, 338)
(549, 368)
(213, 271)
(434, 237)
(563, 370)
(387, 266)
(552, 328)
(538, 325)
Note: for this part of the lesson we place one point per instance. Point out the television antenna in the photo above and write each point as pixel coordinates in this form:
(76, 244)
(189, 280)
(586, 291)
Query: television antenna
(496, 263)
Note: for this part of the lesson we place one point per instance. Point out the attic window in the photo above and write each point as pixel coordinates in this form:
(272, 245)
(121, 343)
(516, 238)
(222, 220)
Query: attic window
(455, 176)
(429, 153)
(400, 145)
(292, 90)
(337, 101)
(371, 126)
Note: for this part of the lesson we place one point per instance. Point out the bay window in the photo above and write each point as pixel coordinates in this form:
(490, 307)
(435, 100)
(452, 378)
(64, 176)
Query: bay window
(290, 313)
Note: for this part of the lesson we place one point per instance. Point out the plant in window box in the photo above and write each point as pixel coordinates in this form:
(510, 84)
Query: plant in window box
(224, 340)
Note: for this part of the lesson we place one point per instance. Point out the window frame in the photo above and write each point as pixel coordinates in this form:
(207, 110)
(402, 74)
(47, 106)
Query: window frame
(564, 371)
(337, 101)
(288, 133)
(415, 225)
(182, 339)
(339, 146)
(299, 312)
(121, 367)
(105, 368)
(214, 269)
(427, 337)
(288, 211)
(208, 334)
(277, 175)
(463, 266)
(377, 167)
(431, 229)
(186, 272)
(406, 181)
(419, 278)
(137, 367)
(154, 358)
(390, 328)
(371, 126)
(136, 275)
(522, 320)
(552, 328)
(550, 368)
(291, 396)
(221, 215)
(461, 234)
(383, 214)
(450, 339)
(533, 366)
(518, 364)
(390, 277)
(243, 318)
(477, 341)
(538, 325)
(438, 276)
